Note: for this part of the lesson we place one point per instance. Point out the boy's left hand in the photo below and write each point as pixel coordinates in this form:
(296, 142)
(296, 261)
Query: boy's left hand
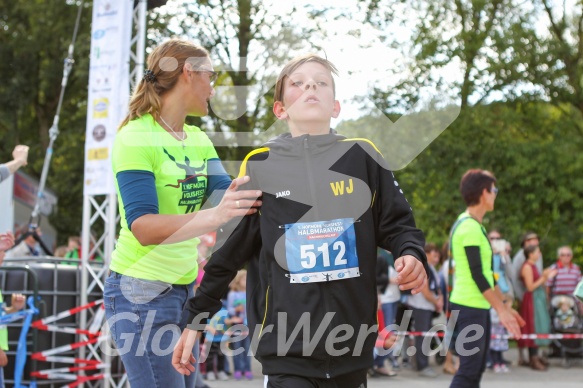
(412, 275)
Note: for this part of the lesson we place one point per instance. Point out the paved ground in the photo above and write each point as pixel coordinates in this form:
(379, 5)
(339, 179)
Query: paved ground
(519, 377)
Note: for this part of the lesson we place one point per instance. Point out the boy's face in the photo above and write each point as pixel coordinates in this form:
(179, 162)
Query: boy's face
(308, 96)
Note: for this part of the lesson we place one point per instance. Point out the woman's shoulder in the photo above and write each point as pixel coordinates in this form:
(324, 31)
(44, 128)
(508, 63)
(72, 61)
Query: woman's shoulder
(138, 127)
(468, 226)
(200, 136)
(144, 123)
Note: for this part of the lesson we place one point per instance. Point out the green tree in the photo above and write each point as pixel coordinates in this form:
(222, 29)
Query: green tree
(248, 43)
(34, 39)
(520, 91)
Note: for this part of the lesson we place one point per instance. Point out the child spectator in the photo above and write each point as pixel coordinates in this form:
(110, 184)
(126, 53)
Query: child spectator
(565, 317)
(236, 306)
(498, 345)
(215, 334)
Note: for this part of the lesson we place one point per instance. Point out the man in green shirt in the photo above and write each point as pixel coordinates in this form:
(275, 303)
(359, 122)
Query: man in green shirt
(474, 290)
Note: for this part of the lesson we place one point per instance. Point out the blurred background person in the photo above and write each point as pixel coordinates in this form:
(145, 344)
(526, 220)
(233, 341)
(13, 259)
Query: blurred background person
(528, 239)
(475, 291)
(20, 159)
(424, 305)
(534, 309)
(568, 273)
(28, 246)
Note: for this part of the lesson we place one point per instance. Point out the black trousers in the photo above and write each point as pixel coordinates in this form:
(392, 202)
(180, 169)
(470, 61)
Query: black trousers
(422, 322)
(350, 380)
(471, 347)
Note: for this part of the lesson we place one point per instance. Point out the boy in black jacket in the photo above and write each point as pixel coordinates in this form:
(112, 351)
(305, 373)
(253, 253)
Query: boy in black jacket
(328, 202)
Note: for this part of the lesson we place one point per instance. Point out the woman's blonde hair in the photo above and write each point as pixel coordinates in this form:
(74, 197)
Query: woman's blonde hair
(165, 66)
(236, 283)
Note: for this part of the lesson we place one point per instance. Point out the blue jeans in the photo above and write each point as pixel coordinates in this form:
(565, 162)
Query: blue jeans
(242, 361)
(146, 318)
(390, 312)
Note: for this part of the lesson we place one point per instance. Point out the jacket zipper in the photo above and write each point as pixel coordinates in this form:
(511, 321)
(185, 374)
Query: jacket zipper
(265, 314)
(308, 160)
(324, 285)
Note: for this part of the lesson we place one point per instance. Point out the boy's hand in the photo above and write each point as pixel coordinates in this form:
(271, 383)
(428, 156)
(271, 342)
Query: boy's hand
(182, 359)
(412, 274)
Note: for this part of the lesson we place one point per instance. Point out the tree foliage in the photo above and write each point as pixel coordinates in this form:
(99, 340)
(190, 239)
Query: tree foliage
(34, 39)
(519, 85)
(249, 43)
(517, 74)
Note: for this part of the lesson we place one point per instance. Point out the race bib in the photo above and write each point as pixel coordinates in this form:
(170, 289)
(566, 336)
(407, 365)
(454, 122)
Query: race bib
(321, 251)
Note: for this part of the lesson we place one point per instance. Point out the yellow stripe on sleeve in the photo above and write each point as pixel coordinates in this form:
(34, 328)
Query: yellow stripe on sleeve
(367, 141)
(243, 168)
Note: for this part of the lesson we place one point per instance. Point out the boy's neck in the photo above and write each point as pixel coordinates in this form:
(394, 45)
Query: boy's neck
(312, 129)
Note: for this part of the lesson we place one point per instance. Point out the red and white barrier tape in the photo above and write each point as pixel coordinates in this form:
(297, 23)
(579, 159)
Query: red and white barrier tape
(69, 330)
(65, 348)
(97, 319)
(507, 336)
(66, 313)
(49, 373)
(64, 360)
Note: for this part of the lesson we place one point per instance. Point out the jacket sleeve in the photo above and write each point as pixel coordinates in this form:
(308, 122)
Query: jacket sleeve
(382, 274)
(4, 172)
(397, 231)
(240, 240)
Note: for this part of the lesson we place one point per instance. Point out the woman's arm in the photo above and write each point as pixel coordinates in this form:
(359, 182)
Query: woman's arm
(528, 277)
(154, 229)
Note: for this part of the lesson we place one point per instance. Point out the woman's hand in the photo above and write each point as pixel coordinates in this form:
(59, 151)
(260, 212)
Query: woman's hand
(182, 359)
(237, 203)
(550, 273)
(511, 320)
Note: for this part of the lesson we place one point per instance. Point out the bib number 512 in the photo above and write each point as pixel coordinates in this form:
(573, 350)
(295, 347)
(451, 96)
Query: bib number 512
(308, 254)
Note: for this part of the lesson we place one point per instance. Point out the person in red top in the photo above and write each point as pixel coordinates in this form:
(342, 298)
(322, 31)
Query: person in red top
(568, 274)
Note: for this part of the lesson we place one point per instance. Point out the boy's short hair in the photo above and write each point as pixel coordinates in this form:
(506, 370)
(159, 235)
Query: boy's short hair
(292, 65)
(473, 184)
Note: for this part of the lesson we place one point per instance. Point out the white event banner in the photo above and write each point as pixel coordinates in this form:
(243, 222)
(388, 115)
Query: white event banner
(108, 94)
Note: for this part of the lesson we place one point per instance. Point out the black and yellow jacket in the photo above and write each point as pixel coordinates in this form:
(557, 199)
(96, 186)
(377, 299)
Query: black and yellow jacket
(306, 180)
